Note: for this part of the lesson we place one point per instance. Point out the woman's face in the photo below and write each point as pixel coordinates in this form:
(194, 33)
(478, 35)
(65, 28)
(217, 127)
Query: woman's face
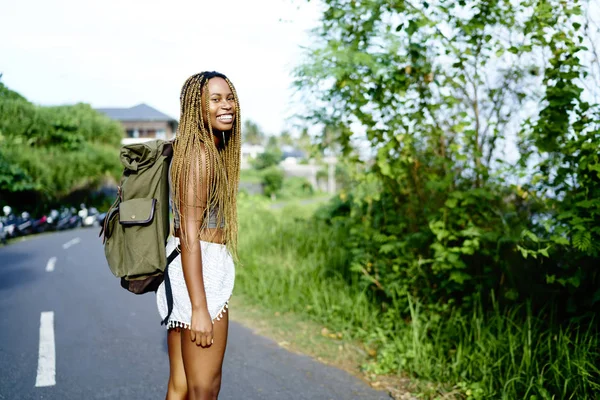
(221, 104)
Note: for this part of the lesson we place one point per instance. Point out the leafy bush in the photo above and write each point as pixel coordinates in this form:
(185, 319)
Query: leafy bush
(295, 262)
(442, 217)
(272, 180)
(295, 187)
(439, 213)
(46, 153)
(269, 158)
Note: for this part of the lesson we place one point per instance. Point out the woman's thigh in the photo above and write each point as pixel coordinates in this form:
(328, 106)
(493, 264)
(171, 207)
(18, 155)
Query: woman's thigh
(203, 365)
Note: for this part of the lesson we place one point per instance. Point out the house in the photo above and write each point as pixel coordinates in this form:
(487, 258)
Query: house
(292, 155)
(249, 153)
(310, 170)
(142, 123)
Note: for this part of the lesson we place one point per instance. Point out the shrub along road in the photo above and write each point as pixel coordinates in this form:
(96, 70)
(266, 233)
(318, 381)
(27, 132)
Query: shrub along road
(69, 332)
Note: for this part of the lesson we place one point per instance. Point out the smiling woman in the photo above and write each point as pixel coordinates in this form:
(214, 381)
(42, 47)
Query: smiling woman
(204, 176)
(222, 104)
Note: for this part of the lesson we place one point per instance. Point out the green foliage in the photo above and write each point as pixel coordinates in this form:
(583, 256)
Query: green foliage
(437, 89)
(250, 176)
(295, 187)
(272, 180)
(563, 150)
(269, 158)
(322, 174)
(421, 216)
(305, 143)
(295, 262)
(46, 153)
(252, 134)
(440, 215)
(285, 139)
(343, 178)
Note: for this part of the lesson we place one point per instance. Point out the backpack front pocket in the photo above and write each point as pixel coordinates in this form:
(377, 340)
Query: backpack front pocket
(141, 224)
(137, 212)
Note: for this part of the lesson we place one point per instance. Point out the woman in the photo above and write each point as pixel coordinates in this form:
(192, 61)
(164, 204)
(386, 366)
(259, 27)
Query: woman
(204, 176)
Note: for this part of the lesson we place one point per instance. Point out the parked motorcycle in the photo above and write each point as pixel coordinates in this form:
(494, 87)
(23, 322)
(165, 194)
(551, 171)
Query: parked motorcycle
(75, 221)
(3, 233)
(9, 226)
(40, 225)
(91, 217)
(66, 219)
(24, 224)
(52, 220)
(9, 223)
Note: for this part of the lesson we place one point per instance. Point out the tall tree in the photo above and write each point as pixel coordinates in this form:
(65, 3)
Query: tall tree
(441, 90)
(46, 153)
(305, 143)
(484, 189)
(252, 134)
(286, 139)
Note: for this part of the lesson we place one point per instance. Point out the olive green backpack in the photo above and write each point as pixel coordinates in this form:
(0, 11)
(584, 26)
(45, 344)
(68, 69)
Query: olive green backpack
(136, 226)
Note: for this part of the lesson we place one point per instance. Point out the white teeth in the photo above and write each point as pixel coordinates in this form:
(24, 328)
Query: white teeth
(225, 117)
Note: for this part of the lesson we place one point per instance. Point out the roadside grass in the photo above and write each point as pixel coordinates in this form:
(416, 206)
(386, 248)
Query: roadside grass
(289, 266)
(299, 334)
(292, 188)
(250, 175)
(295, 333)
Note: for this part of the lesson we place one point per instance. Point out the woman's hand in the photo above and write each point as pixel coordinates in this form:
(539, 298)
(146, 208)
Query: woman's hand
(201, 328)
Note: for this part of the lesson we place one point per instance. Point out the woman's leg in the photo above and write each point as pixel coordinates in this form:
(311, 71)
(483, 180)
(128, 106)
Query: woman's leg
(177, 389)
(203, 366)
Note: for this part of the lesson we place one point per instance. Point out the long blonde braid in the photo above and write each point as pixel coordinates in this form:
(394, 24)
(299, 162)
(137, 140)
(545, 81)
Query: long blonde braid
(222, 166)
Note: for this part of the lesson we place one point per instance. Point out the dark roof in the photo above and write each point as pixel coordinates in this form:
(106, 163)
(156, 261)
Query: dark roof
(141, 112)
(294, 153)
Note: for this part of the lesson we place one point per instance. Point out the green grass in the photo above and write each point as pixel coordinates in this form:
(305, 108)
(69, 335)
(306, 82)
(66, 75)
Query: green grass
(289, 264)
(250, 176)
(292, 187)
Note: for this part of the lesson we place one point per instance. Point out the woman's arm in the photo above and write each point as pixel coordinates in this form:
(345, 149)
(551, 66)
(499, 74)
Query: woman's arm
(191, 256)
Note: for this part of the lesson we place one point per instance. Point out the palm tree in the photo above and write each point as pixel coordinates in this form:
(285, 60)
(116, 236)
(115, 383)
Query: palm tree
(252, 134)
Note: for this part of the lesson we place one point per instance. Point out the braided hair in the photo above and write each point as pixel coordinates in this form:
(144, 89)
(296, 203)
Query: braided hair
(222, 166)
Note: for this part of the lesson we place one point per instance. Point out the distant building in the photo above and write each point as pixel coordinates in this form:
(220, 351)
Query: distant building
(292, 166)
(249, 153)
(142, 123)
(308, 171)
(292, 155)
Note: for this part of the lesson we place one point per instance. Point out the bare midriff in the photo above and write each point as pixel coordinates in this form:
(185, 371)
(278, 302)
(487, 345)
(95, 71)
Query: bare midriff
(212, 235)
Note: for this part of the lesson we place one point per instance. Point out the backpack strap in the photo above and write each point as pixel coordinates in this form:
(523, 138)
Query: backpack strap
(114, 205)
(103, 229)
(168, 291)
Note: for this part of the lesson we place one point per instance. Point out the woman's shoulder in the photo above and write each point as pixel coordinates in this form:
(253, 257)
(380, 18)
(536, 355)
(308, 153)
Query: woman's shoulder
(197, 149)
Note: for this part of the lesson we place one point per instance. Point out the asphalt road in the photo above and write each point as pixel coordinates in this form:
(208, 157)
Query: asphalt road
(68, 331)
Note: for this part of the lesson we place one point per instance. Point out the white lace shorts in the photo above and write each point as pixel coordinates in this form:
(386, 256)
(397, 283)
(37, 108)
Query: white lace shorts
(218, 272)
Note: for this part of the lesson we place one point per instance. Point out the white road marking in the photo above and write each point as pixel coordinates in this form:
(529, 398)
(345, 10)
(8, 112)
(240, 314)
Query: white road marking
(51, 264)
(46, 371)
(71, 243)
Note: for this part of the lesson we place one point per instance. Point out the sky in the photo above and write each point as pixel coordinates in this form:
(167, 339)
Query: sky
(119, 53)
